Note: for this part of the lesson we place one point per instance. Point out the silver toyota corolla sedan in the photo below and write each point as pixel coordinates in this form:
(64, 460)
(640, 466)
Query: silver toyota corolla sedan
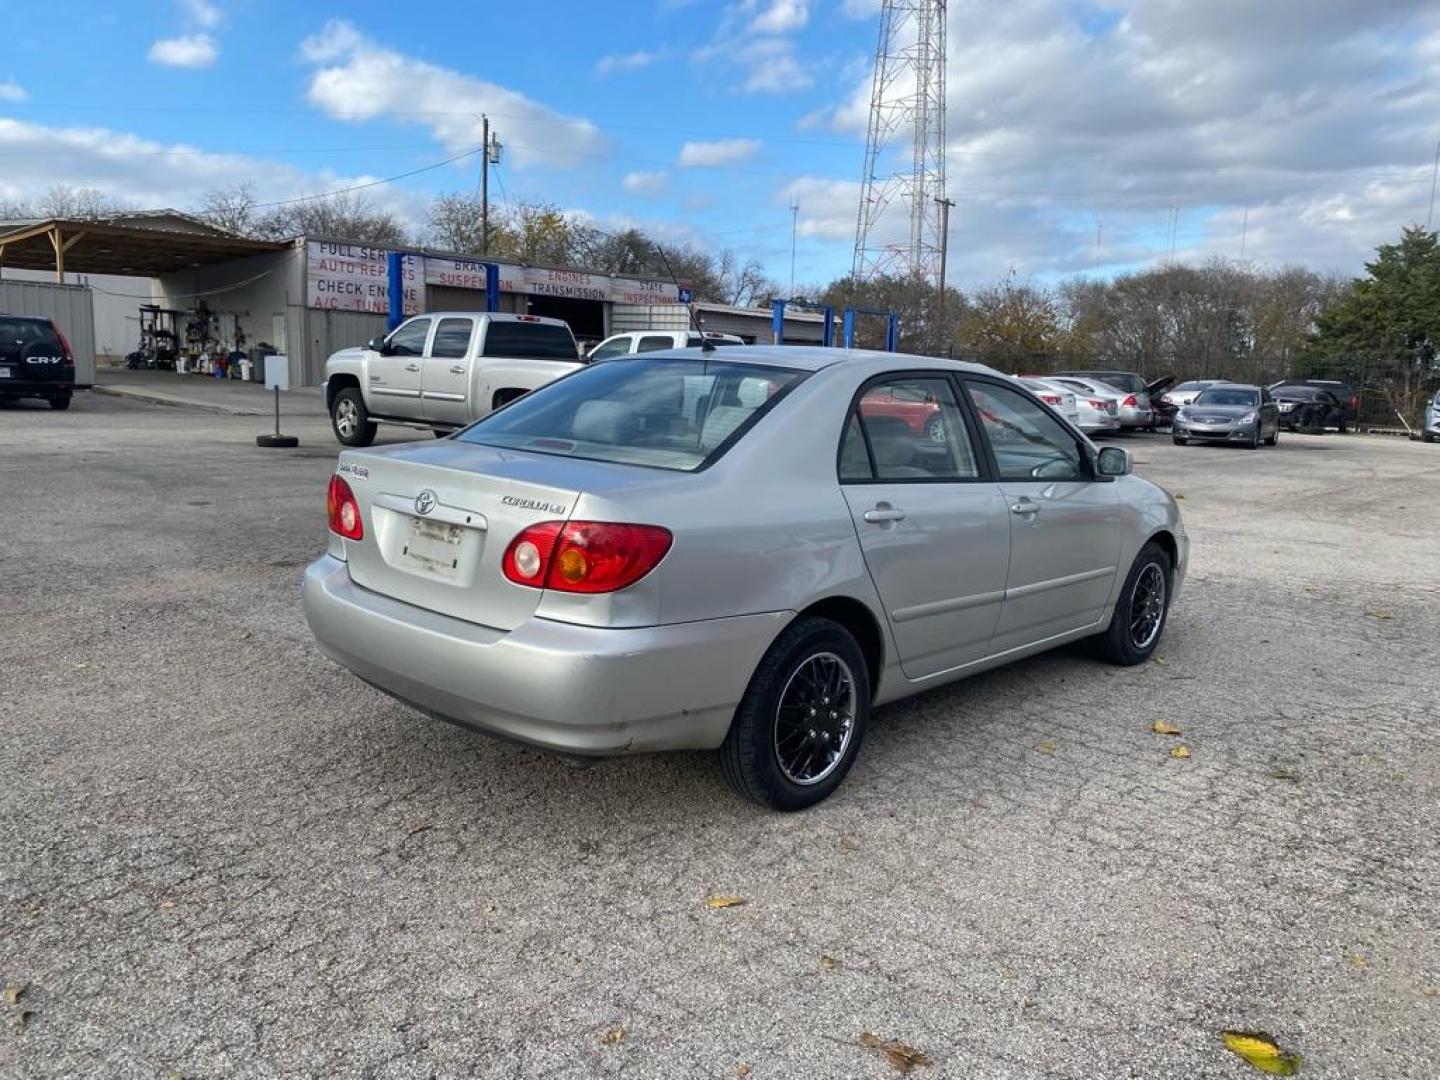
(745, 550)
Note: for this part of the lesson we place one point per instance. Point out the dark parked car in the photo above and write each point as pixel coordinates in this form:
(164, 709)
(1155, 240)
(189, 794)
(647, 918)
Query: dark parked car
(1310, 408)
(1348, 396)
(35, 361)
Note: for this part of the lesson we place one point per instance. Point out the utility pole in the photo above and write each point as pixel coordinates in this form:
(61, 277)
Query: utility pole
(489, 155)
(945, 205)
(794, 224)
(1434, 175)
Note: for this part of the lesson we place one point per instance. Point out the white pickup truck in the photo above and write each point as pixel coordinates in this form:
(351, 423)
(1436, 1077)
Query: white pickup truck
(442, 370)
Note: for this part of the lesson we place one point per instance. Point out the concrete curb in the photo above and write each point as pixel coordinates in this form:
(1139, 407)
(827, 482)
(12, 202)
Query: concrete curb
(159, 397)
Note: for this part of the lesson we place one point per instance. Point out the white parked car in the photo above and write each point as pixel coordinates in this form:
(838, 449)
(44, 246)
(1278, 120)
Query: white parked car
(638, 341)
(444, 370)
(1057, 397)
(1098, 409)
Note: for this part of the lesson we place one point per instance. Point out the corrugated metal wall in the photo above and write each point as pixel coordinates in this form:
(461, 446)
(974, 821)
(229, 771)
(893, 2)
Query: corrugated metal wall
(331, 330)
(71, 306)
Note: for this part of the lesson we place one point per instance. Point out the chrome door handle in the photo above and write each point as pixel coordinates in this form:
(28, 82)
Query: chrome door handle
(879, 515)
(457, 369)
(412, 367)
(1025, 508)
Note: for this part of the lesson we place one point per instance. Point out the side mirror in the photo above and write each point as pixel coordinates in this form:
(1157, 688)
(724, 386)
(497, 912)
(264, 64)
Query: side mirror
(376, 344)
(1114, 461)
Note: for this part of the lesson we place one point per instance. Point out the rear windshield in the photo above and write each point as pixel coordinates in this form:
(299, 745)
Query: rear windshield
(21, 335)
(667, 413)
(1221, 396)
(1194, 384)
(1131, 384)
(1298, 393)
(534, 341)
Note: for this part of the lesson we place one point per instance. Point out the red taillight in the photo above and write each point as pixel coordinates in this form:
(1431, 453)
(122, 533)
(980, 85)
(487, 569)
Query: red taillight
(584, 556)
(1130, 402)
(342, 511)
(1097, 405)
(1355, 404)
(64, 341)
(1050, 399)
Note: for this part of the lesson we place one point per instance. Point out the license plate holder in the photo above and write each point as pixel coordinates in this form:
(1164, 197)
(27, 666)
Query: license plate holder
(433, 547)
(4, 373)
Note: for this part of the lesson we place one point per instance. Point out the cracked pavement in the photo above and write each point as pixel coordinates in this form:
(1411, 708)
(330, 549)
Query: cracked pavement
(225, 857)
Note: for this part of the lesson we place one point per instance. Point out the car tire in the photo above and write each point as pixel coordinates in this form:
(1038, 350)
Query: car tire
(751, 756)
(1274, 440)
(1426, 436)
(1178, 441)
(60, 401)
(350, 420)
(1118, 643)
(1341, 428)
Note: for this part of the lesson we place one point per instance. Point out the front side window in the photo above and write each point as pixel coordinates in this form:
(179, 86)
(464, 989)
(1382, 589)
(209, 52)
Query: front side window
(610, 349)
(667, 413)
(907, 429)
(409, 339)
(452, 338)
(1028, 442)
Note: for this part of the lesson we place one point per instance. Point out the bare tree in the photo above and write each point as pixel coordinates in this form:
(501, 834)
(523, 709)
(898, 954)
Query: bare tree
(232, 208)
(345, 215)
(67, 201)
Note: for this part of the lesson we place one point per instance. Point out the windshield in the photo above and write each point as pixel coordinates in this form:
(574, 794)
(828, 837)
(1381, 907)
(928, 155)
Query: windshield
(1194, 384)
(534, 341)
(668, 413)
(1225, 396)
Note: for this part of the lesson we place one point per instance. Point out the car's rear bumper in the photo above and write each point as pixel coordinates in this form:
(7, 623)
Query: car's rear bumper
(573, 689)
(47, 388)
(1136, 417)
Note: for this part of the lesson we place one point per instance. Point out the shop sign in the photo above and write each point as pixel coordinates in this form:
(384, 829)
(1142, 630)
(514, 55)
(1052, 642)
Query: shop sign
(353, 277)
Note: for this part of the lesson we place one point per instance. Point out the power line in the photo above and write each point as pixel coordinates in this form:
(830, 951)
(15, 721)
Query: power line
(370, 184)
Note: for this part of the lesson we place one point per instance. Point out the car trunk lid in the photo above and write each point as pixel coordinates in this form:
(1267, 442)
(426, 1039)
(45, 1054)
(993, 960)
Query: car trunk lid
(438, 518)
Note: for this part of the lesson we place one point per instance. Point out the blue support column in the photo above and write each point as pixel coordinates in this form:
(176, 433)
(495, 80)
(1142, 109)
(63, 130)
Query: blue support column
(777, 321)
(395, 264)
(892, 333)
(492, 287)
(847, 336)
(829, 326)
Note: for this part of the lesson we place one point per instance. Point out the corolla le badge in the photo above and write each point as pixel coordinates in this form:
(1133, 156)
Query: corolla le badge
(425, 502)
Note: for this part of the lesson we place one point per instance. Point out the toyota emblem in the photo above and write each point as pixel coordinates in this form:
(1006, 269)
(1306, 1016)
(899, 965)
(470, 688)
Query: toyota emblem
(425, 501)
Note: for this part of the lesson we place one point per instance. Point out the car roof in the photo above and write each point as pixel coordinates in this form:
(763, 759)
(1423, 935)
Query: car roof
(1233, 386)
(819, 357)
(498, 316)
(42, 319)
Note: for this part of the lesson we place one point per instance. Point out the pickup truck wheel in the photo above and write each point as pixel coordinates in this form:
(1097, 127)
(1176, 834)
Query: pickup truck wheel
(802, 719)
(350, 419)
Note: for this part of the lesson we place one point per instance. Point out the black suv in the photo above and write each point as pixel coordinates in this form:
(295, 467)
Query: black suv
(35, 361)
(1316, 404)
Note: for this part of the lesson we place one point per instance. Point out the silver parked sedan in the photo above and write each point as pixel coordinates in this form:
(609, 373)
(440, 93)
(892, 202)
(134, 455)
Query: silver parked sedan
(1229, 412)
(744, 550)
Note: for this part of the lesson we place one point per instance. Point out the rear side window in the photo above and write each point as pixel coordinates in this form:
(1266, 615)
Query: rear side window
(665, 413)
(452, 338)
(531, 341)
(907, 429)
(654, 343)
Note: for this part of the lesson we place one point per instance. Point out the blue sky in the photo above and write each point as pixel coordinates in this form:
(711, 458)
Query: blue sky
(1304, 131)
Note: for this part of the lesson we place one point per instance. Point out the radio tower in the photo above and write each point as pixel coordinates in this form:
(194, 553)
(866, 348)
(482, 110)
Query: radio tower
(905, 145)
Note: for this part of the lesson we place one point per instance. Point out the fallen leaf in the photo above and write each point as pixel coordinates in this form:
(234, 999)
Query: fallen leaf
(1357, 960)
(717, 902)
(1179, 496)
(12, 994)
(829, 963)
(1158, 660)
(849, 843)
(423, 826)
(1046, 746)
(1160, 727)
(743, 1070)
(1261, 1051)
(1284, 774)
(1379, 615)
(1179, 751)
(902, 1057)
(614, 1037)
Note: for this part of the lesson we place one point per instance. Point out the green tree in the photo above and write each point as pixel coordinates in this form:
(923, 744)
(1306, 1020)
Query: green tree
(1390, 319)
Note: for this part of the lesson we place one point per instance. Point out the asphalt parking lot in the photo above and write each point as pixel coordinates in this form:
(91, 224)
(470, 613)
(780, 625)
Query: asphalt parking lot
(225, 857)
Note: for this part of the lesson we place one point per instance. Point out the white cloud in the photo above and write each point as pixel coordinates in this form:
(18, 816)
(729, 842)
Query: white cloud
(358, 80)
(189, 51)
(634, 61)
(10, 90)
(719, 152)
(1316, 116)
(859, 9)
(203, 13)
(781, 17)
(645, 183)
